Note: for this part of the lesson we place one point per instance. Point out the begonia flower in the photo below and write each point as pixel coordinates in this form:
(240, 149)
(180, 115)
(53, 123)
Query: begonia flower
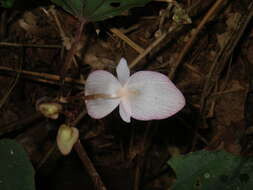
(145, 95)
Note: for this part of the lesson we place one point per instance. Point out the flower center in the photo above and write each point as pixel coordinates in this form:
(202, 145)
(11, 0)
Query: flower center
(122, 92)
(125, 92)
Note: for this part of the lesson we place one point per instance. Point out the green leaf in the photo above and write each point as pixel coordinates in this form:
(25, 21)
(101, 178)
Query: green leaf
(212, 170)
(96, 10)
(16, 171)
(7, 3)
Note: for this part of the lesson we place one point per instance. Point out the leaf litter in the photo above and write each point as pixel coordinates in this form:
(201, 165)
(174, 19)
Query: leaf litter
(215, 77)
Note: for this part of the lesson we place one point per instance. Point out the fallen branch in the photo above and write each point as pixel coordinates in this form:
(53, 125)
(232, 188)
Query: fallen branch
(123, 37)
(10, 44)
(45, 77)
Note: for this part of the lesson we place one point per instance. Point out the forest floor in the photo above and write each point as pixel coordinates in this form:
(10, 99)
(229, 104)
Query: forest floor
(204, 47)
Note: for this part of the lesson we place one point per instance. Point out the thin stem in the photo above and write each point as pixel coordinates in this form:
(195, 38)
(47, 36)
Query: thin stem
(89, 166)
(12, 44)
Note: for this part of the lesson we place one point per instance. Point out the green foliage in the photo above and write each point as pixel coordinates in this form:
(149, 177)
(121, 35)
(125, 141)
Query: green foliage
(16, 171)
(205, 170)
(7, 3)
(96, 10)
(24, 4)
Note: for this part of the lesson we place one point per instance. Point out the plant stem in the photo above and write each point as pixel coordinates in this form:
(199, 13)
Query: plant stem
(99, 185)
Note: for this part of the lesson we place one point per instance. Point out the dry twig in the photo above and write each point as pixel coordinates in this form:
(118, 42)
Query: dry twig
(123, 37)
(217, 5)
(45, 77)
(148, 50)
(10, 44)
(224, 54)
(89, 166)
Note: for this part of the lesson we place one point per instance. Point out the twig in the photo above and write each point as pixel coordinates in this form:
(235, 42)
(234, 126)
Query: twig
(189, 44)
(11, 88)
(131, 143)
(45, 77)
(99, 185)
(72, 51)
(61, 31)
(65, 39)
(146, 141)
(20, 124)
(10, 44)
(220, 62)
(192, 12)
(7, 94)
(122, 36)
(136, 184)
(79, 118)
(148, 49)
(224, 54)
(51, 150)
(216, 95)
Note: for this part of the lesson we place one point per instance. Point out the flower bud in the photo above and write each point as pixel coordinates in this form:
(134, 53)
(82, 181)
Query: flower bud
(66, 138)
(50, 109)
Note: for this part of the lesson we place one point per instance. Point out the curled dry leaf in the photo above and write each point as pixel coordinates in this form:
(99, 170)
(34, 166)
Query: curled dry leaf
(66, 138)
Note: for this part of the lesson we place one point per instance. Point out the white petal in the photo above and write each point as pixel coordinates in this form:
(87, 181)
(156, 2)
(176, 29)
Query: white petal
(125, 110)
(101, 82)
(122, 70)
(154, 96)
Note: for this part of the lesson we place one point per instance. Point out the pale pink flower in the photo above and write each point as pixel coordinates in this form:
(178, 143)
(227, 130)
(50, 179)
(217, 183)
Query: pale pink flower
(145, 95)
